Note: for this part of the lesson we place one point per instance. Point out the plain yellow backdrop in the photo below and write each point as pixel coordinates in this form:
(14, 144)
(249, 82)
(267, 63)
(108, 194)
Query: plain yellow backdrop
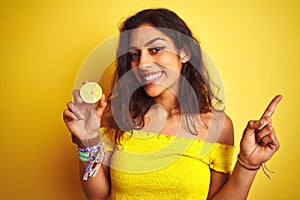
(255, 45)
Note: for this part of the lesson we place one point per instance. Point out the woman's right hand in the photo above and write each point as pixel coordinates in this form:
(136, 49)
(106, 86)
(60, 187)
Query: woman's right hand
(83, 119)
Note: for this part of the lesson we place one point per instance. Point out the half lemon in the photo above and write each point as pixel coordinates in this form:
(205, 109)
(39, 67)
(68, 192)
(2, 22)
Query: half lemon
(91, 92)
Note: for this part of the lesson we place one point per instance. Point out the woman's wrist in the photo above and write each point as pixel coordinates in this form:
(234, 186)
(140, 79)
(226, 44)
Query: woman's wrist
(254, 168)
(245, 165)
(93, 155)
(90, 142)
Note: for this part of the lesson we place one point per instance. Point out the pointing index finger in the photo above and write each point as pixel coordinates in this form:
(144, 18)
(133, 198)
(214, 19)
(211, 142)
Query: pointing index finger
(271, 107)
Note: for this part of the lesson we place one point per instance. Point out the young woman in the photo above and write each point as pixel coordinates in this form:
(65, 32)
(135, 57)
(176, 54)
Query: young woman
(162, 134)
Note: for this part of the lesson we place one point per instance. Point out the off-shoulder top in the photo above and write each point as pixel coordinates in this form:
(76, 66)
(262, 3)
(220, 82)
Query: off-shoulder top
(155, 166)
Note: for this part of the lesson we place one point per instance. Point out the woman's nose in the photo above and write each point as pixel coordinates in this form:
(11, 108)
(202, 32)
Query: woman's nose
(146, 60)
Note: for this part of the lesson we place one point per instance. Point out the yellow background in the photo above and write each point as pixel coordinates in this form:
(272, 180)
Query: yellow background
(255, 45)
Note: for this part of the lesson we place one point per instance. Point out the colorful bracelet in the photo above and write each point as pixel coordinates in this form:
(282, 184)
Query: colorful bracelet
(84, 156)
(94, 155)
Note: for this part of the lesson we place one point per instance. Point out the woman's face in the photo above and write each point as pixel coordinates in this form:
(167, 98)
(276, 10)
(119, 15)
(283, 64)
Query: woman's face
(154, 60)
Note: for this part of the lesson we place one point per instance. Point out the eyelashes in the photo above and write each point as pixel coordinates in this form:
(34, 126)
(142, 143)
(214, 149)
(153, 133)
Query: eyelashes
(135, 55)
(156, 49)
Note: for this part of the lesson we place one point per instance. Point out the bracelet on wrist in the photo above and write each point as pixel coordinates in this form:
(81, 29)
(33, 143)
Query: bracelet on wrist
(94, 155)
(263, 166)
(246, 166)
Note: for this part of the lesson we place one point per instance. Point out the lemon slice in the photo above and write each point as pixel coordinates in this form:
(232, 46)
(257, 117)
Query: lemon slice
(91, 92)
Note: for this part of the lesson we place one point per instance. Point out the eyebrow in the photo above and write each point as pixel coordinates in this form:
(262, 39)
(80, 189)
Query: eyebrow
(149, 42)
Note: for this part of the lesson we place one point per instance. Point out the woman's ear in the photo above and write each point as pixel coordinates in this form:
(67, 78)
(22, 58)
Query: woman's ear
(184, 54)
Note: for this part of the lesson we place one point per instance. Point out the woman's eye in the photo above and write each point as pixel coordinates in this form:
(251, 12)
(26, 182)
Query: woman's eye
(156, 49)
(134, 56)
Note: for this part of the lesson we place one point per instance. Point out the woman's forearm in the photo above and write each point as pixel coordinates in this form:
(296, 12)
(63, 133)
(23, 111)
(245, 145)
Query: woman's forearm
(238, 185)
(258, 145)
(97, 187)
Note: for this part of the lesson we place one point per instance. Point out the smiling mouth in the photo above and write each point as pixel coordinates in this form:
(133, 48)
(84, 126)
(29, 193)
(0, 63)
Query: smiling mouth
(152, 77)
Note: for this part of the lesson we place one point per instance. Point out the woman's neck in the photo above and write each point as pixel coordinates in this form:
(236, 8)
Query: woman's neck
(169, 102)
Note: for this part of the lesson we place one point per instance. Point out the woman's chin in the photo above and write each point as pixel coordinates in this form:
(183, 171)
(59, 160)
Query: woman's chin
(153, 90)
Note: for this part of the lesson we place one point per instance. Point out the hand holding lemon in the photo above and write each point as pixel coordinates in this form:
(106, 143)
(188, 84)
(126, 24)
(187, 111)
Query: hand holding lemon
(82, 117)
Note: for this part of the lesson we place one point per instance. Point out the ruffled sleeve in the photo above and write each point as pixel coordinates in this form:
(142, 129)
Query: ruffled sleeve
(219, 157)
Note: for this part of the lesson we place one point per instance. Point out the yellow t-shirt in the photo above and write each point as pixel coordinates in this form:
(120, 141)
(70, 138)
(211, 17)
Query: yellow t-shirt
(152, 166)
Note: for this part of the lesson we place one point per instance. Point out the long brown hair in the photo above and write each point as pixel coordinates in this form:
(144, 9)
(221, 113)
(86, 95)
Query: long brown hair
(129, 102)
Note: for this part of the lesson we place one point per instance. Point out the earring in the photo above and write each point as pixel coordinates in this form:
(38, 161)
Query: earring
(184, 55)
(183, 58)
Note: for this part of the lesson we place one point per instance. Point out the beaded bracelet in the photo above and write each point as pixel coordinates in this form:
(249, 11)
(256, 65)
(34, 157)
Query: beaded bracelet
(84, 156)
(263, 166)
(94, 155)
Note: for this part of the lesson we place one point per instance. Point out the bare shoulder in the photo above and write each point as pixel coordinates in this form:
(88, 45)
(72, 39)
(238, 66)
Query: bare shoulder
(227, 133)
(219, 127)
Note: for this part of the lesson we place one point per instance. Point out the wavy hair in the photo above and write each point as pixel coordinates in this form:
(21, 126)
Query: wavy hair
(127, 116)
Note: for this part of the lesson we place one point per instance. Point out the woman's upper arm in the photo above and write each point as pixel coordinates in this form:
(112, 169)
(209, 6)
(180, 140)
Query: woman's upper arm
(218, 179)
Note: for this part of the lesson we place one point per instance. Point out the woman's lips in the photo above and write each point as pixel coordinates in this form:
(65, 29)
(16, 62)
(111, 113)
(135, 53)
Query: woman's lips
(151, 78)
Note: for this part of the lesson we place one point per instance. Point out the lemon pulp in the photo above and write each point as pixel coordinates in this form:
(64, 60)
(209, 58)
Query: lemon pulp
(91, 92)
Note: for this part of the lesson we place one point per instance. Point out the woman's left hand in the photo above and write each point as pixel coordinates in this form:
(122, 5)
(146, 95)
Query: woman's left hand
(259, 142)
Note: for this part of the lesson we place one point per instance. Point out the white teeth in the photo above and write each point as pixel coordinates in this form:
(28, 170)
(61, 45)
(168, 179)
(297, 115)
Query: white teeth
(153, 76)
